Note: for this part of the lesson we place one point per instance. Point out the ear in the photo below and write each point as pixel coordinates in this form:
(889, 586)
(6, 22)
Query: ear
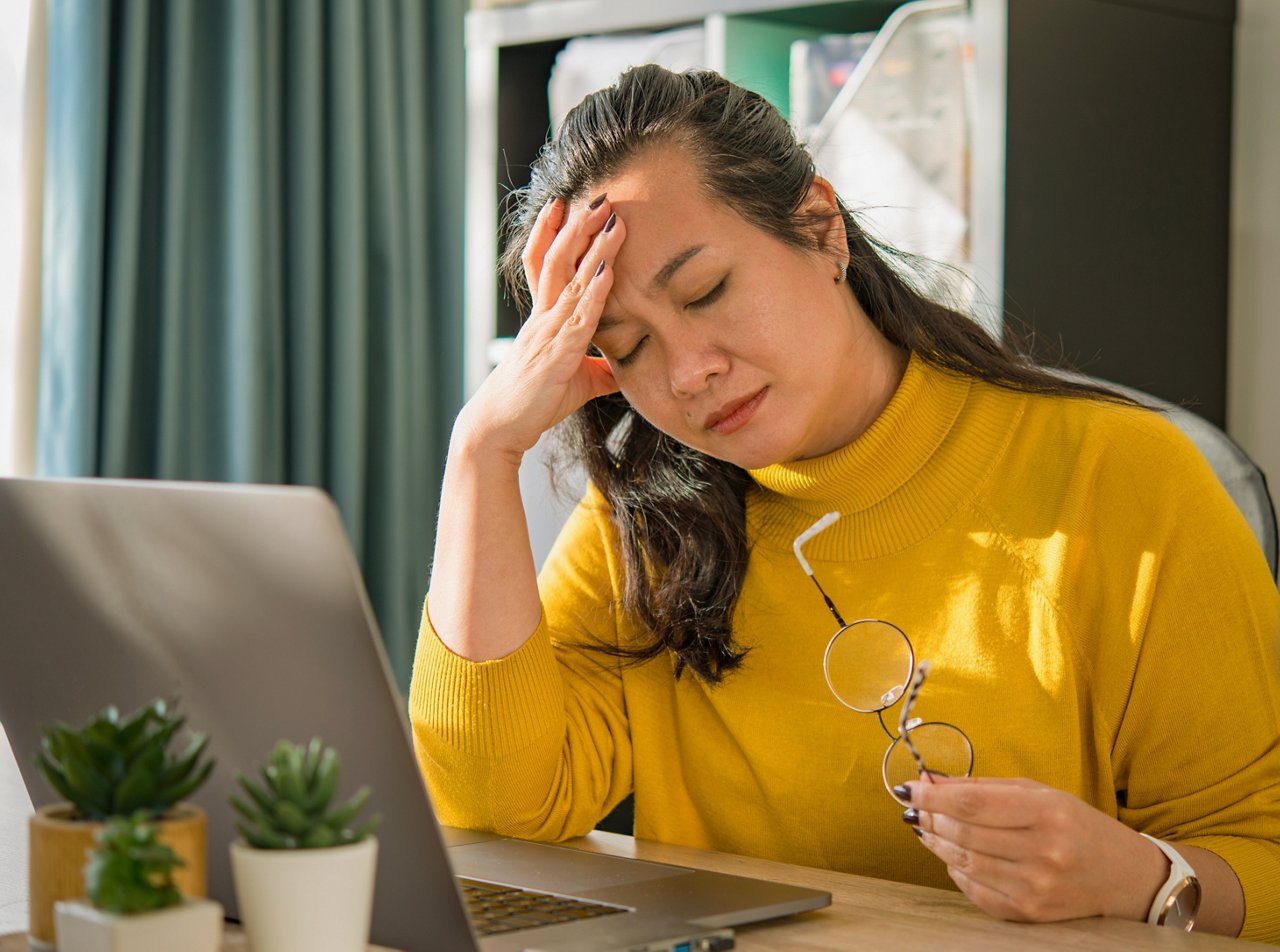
(825, 221)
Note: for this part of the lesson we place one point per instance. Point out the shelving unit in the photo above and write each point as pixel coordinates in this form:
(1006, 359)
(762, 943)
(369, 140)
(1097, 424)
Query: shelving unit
(1100, 151)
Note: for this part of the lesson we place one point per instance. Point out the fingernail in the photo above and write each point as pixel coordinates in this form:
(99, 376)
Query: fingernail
(596, 202)
(599, 269)
(613, 220)
(911, 816)
(902, 792)
(918, 832)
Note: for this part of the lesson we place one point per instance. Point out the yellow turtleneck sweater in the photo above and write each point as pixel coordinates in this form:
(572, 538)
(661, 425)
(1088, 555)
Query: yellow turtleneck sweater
(1097, 615)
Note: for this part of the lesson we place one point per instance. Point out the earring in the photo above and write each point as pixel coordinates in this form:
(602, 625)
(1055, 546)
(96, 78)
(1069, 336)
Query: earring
(840, 275)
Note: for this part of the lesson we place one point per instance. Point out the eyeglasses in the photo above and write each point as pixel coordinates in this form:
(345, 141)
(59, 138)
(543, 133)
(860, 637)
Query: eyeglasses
(869, 665)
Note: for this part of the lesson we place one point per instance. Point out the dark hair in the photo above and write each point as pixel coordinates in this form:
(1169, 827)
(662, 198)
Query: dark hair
(681, 514)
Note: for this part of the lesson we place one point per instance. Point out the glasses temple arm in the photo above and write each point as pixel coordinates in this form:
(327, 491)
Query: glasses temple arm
(796, 547)
(824, 523)
(827, 598)
(904, 719)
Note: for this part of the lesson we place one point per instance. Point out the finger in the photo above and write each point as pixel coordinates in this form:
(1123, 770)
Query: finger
(991, 870)
(989, 900)
(565, 256)
(563, 333)
(986, 803)
(576, 333)
(545, 228)
(1000, 842)
(595, 273)
(584, 307)
(601, 376)
(545, 323)
(1002, 876)
(1018, 898)
(940, 778)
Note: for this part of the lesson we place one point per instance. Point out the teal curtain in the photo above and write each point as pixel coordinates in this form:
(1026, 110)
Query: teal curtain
(252, 257)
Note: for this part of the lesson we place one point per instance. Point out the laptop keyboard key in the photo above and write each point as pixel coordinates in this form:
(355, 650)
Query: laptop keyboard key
(495, 908)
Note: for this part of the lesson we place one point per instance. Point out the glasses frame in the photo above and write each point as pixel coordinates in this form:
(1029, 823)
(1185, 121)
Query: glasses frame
(917, 672)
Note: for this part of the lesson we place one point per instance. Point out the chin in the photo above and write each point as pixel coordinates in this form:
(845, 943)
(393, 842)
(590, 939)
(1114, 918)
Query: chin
(737, 449)
(747, 458)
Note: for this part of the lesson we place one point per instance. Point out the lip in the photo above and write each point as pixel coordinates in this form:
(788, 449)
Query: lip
(735, 414)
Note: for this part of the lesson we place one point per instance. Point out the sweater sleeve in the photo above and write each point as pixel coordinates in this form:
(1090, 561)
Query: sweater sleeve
(1197, 750)
(535, 744)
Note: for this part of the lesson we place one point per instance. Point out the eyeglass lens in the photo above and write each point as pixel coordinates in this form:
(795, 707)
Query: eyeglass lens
(868, 665)
(943, 747)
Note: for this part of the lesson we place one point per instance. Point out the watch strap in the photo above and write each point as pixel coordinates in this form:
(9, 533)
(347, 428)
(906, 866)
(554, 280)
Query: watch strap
(1179, 873)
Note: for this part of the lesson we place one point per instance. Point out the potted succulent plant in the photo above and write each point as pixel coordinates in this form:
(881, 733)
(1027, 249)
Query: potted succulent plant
(304, 873)
(113, 766)
(134, 903)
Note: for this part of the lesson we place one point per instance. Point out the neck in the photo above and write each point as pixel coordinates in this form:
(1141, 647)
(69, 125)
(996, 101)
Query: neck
(881, 366)
(901, 478)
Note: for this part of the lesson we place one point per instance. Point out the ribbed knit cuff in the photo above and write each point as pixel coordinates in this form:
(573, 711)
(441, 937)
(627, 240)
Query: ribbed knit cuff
(486, 709)
(1257, 866)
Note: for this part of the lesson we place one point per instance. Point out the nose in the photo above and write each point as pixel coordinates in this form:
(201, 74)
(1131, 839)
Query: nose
(692, 365)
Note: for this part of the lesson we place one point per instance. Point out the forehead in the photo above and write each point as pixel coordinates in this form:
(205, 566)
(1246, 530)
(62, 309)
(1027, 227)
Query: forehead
(658, 173)
(661, 199)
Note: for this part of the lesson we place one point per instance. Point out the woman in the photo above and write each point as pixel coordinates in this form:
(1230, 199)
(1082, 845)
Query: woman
(735, 358)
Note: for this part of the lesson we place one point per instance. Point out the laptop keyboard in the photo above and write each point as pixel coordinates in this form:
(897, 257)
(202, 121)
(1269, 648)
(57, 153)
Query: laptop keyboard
(497, 908)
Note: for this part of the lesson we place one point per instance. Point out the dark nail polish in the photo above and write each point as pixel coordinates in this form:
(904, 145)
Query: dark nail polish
(613, 220)
(596, 202)
(911, 816)
(599, 269)
(902, 792)
(918, 832)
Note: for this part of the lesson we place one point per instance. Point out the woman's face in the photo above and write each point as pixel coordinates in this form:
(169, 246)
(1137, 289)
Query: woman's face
(726, 338)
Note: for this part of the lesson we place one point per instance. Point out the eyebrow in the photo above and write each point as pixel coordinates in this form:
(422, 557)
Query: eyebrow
(659, 282)
(663, 277)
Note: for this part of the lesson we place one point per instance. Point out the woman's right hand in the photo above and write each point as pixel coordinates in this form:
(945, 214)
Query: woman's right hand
(547, 374)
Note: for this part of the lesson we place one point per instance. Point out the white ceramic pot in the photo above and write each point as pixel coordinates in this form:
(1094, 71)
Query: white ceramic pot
(305, 900)
(193, 926)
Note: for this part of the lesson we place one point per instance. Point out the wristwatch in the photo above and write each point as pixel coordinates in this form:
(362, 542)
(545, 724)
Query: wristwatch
(1178, 900)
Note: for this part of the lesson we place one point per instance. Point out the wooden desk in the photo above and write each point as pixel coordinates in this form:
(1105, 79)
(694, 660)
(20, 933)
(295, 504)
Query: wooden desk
(232, 941)
(874, 914)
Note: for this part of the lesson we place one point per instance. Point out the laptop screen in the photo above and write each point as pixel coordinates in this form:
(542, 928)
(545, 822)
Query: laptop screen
(246, 605)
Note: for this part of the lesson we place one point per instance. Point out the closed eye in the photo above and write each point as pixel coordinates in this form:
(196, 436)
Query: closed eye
(633, 353)
(711, 296)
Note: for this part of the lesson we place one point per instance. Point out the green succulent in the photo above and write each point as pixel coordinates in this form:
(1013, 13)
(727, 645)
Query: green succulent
(114, 767)
(130, 870)
(291, 808)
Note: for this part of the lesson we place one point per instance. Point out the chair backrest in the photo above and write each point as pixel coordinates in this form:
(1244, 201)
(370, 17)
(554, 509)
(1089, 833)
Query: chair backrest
(1241, 476)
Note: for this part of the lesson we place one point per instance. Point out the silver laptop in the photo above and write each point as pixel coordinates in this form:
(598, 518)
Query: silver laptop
(247, 604)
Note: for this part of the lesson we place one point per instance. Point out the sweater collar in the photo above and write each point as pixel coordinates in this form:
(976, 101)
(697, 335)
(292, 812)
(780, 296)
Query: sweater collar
(880, 483)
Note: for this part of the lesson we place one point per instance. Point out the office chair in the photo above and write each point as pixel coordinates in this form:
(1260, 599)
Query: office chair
(1241, 476)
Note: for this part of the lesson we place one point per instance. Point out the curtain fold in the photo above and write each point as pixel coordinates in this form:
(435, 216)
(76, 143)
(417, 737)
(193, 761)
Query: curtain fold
(251, 257)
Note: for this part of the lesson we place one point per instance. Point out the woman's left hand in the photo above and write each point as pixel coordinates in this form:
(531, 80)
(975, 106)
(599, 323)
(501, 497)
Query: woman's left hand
(1024, 851)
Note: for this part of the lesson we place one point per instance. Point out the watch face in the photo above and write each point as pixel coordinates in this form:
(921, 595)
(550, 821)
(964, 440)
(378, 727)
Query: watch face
(1182, 905)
